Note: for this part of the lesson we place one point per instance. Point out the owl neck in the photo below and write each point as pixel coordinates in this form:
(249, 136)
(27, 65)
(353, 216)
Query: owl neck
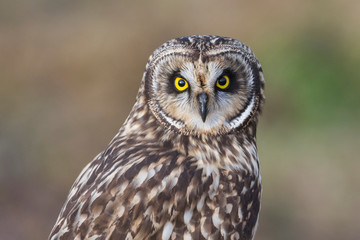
(233, 151)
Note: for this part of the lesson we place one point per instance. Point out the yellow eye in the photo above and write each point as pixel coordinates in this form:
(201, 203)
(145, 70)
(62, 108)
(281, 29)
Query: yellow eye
(223, 82)
(181, 84)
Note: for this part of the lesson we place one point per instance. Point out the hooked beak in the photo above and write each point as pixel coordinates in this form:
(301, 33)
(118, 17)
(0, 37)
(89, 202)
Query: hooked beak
(203, 97)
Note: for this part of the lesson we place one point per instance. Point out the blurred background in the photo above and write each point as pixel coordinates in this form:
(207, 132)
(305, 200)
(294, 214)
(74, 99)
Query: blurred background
(69, 74)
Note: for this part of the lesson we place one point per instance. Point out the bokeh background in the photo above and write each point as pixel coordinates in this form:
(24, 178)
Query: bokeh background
(69, 73)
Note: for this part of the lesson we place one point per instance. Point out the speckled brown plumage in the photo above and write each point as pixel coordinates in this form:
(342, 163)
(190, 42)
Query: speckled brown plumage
(162, 177)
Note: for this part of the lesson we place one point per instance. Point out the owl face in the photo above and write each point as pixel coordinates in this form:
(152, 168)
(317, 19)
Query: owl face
(202, 85)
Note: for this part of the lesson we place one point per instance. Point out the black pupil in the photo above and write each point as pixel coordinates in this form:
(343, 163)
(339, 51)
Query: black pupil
(181, 83)
(222, 81)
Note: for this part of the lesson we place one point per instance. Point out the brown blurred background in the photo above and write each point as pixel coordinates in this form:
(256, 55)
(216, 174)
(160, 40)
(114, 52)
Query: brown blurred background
(70, 70)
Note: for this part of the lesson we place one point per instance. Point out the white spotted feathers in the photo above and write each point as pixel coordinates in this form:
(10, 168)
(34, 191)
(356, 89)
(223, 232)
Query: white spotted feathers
(184, 165)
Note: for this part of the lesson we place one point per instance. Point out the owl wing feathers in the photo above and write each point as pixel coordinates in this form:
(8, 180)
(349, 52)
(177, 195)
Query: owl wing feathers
(169, 174)
(133, 191)
(123, 192)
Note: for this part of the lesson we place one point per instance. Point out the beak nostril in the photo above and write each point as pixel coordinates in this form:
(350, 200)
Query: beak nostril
(203, 98)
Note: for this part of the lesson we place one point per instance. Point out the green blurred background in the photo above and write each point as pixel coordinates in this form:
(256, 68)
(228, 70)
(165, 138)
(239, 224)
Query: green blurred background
(70, 70)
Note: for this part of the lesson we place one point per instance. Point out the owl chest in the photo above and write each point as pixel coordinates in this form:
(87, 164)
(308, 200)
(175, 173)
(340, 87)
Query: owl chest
(220, 203)
(192, 196)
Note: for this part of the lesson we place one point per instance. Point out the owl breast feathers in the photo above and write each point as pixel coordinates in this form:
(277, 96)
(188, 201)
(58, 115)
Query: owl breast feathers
(184, 164)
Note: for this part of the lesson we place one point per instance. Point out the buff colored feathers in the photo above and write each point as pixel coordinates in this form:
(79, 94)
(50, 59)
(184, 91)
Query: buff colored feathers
(184, 165)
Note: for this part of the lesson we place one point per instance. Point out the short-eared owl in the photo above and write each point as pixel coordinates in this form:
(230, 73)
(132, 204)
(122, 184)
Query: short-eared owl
(184, 165)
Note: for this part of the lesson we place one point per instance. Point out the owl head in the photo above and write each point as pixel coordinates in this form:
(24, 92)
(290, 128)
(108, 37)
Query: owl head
(204, 85)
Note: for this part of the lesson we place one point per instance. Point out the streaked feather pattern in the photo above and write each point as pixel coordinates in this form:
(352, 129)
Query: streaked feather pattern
(155, 181)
